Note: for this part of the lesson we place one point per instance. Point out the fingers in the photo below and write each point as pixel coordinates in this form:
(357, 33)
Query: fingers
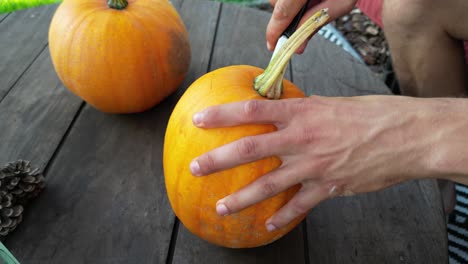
(335, 8)
(275, 28)
(239, 152)
(302, 48)
(307, 198)
(265, 187)
(239, 113)
(311, 2)
(283, 13)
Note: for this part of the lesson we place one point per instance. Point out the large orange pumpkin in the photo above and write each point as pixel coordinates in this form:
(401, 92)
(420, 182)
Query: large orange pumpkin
(119, 56)
(193, 199)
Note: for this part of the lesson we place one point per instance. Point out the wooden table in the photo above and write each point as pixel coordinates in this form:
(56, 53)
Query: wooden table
(105, 199)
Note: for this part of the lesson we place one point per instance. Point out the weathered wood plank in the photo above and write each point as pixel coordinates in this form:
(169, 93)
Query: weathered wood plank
(331, 71)
(177, 5)
(35, 114)
(3, 16)
(240, 38)
(105, 200)
(403, 224)
(24, 34)
(240, 44)
(201, 34)
(192, 250)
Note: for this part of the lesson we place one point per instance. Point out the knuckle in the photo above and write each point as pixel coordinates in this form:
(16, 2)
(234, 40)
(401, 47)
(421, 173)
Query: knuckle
(282, 9)
(251, 108)
(280, 12)
(247, 147)
(268, 187)
(207, 163)
(211, 112)
(298, 208)
(302, 105)
(304, 136)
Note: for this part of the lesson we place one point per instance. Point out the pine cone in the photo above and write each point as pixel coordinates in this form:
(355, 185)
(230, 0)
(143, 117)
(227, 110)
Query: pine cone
(10, 215)
(18, 184)
(19, 179)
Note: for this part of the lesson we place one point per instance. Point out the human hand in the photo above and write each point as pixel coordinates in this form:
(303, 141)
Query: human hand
(330, 146)
(285, 10)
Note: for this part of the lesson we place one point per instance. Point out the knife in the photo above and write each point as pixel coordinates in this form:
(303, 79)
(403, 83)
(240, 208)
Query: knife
(290, 29)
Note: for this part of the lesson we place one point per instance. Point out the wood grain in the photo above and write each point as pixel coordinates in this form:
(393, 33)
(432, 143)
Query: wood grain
(238, 41)
(35, 114)
(105, 200)
(402, 224)
(326, 69)
(24, 35)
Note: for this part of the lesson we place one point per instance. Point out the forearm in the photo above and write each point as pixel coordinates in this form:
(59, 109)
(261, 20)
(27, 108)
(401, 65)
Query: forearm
(449, 151)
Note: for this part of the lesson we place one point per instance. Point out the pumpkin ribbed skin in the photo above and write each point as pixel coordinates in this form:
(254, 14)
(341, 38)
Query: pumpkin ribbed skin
(192, 198)
(119, 61)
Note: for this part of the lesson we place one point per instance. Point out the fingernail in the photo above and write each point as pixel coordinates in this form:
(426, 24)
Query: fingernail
(270, 227)
(268, 46)
(222, 210)
(198, 118)
(195, 168)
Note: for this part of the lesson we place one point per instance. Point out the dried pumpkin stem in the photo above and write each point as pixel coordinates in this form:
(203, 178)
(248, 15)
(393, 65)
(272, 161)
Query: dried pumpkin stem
(117, 4)
(270, 83)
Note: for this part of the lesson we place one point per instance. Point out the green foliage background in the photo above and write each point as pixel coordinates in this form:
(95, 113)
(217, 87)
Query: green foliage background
(7, 6)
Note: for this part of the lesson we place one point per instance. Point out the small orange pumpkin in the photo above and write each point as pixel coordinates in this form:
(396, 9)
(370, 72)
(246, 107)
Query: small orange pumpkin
(193, 199)
(119, 56)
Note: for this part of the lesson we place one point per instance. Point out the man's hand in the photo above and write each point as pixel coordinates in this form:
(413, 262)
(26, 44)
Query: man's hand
(333, 146)
(285, 10)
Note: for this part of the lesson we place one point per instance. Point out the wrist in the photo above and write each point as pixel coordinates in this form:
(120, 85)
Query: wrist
(448, 155)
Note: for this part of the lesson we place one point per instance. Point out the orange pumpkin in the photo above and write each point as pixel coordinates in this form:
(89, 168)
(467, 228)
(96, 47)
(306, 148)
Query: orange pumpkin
(193, 199)
(119, 56)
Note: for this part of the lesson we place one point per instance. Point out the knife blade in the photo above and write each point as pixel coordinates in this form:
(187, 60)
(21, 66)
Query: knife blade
(290, 29)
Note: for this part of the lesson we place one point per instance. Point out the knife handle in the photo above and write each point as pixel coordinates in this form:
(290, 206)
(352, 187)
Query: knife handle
(292, 27)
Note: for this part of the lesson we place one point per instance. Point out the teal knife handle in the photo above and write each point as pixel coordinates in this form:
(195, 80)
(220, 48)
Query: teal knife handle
(6, 257)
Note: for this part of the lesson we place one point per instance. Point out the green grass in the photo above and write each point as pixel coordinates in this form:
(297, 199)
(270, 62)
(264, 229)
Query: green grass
(7, 6)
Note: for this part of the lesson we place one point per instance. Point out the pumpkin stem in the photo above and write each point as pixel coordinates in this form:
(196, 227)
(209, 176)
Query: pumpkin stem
(270, 83)
(117, 4)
